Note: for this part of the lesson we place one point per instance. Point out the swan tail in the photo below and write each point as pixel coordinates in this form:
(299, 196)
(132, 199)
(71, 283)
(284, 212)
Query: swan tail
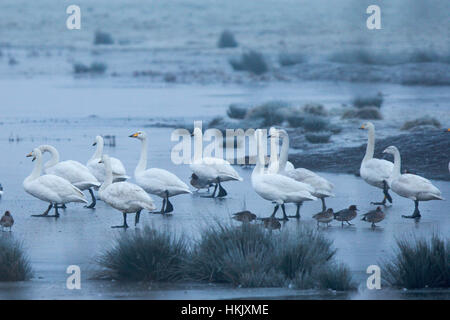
(120, 178)
(324, 193)
(148, 206)
(87, 185)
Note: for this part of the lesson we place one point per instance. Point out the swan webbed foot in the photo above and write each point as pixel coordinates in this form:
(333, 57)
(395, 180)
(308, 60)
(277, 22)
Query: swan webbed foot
(222, 192)
(213, 194)
(382, 203)
(125, 225)
(169, 206)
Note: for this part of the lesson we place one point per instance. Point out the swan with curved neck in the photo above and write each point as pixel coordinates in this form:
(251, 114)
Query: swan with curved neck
(157, 181)
(211, 169)
(123, 196)
(73, 171)
(275, 187)
(375, 172)
(98, 169)
(322, 187)
(411, 186)
(50, 188)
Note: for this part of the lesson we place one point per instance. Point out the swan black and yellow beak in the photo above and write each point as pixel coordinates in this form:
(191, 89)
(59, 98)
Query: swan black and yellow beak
(362, 127)
(94, 144)
(134, 135)
(101, 161)
(31, 155)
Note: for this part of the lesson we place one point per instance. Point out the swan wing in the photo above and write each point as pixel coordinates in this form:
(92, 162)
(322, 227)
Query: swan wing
(127, 196)
(157, 181)
(412, 186)
(117, 167)
(56, 189)
(376, 169)
(74, 172)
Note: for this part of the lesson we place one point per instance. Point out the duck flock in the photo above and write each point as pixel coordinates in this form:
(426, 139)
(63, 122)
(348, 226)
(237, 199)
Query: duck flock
(61, 182)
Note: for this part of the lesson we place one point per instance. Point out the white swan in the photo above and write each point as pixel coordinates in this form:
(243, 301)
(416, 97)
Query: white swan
(375, 172)
(50, 188)
(276, 187)
(98, 169)
(157, 181)
(211, 169)
(411, 186)
(322, 187)
(123, 196)
(73, 171)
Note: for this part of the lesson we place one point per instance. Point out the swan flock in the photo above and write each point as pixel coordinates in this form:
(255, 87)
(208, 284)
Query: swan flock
(62, 182)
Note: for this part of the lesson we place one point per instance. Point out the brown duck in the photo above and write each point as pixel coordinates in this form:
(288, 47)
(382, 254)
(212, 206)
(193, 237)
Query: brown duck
(7, 221)
(374, 216)
(346, 215)
(244, 216)
(324, 217)
(271, 223)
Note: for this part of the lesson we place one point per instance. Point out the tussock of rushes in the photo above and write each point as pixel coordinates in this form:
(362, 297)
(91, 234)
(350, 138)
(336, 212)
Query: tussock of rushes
(424, 121)
(419, 263)
(150, 255)
(251, 61)
(14, 263)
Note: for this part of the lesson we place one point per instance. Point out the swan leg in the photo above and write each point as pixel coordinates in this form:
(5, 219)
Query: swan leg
(387, 196)
(162, 208)
(136, 218)
(285, 217)
(275, 210)
(94, 202)
(324, 207)
(213, 194)
(169, 206)
(416, 213)
(222, 192)
(297, 212)
(125, 225)
(45, 214)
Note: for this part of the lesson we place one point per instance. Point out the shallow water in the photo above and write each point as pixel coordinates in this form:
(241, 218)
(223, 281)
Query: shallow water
(80, 234)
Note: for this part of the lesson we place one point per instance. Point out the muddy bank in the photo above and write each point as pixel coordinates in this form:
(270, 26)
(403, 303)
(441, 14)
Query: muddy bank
(425, 153)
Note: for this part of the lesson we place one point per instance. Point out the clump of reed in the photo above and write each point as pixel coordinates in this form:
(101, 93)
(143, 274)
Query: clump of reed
(419, 263)
(14, 262)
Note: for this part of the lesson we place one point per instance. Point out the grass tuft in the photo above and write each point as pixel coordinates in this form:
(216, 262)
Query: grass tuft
(315, 123)
(227, 40)
(368, 101)
(424, 121)
(251, 61)
(272, 112)
(94, 68)
(286, 59)
(236, 111)
(103, 38)
(419, 263)
(149, 255)
(14, 263)
(367, 113)
(318, 137)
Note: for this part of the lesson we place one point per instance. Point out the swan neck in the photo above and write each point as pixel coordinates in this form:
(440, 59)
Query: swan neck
(370, 144)
(98, 151)
(142, 164)
(284, 153)
(37, 168)
(55, 156)
(108, 175)
(259, 156)
(397, 164)
(198, 145)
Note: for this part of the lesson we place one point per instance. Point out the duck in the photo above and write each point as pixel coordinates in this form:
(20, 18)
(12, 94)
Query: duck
(212, 169)
(50, 188)
(375, 172)
(159, 182)
(73, 171)
(244, 216)
(411, 186)
(7, 221)
(324, 217)
(346, 215)
(322, 187)
(98, 169)
(123, 196)
(271, 223)
(277, 188)
(374, 216)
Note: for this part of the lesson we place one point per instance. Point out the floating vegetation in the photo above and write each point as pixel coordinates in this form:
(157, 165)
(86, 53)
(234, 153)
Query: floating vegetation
(227, 40)
(424, 121)
(251, 61)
